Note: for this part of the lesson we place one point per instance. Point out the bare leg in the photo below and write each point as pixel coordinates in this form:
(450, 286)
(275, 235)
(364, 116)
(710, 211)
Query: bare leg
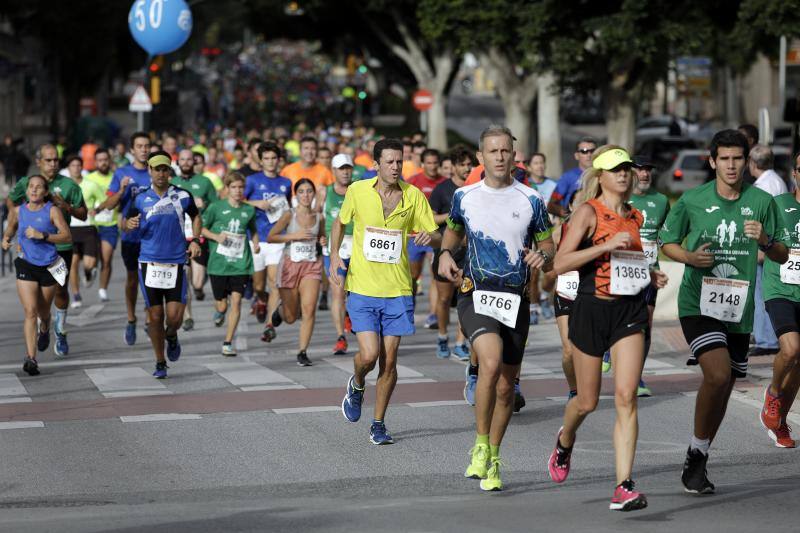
(28, 292)
(628, 360)
(337, 306)
(107, 253)
(387, 375)
(74, 274)
(588, 380)
(785, 360)
(274, 296)
(566, 352)
(234, 315)
(712, 397)
(309, 294)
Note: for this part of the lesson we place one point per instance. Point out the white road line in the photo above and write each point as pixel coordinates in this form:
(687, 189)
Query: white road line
(12, 390)
(130, 380)
(271, 387)
(529, 369)
(16, 400)
(21, 425)
(136, 393)
(86, 362)
(442, 403)
(248, 374)
(312, 409)
(162, 417)
(404, 373)
(655, 364)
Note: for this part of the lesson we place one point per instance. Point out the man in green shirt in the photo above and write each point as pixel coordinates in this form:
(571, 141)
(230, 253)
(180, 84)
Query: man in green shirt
(724, 223)
(67, 196)
(105, 220)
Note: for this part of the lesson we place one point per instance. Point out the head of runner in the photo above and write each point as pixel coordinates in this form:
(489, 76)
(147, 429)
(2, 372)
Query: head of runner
(160, 167)
(536, 167)
(140, 148)
(610, 173)
(496, 153)
(643, 169)
(308, 151)
(75, 167)
(583, 152)
(235, 181)
(305, 191)
(388, 155)
(102, 160)
(186, 163)
(430, 163)
(268, 154)
(37, 190)
(463, 163)
(729, 151)
(343, 170)
(47, 161)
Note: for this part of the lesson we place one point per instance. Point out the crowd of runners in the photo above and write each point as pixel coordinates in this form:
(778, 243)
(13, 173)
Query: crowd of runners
(361, 226)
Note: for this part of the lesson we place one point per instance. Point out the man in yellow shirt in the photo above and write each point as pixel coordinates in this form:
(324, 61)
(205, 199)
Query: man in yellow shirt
(308, 167)
(383, 210)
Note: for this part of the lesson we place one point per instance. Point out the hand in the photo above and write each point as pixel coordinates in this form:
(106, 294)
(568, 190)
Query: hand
(199, 203)
(333, 272)
(125, 182)
(448, 268)
(31, 233)
(6, 242)
(132, 223)
(533, 259)
(323, 240)
(194, 250)
(92, 213)
(619, 241)
(658, 279)
(754, 230)
(702, 258)
(423, 238)
(59, 202)
(260, 204)
(256, 248)
(219, 238)
(303, 235)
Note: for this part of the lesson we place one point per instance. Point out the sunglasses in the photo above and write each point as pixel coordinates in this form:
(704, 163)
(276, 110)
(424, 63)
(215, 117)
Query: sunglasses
(586, 150)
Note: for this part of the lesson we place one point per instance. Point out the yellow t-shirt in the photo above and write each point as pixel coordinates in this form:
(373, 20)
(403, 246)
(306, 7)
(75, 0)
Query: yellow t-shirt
(106, 217)
(363, 206)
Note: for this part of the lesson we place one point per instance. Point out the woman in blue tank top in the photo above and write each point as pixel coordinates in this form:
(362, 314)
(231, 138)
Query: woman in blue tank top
(41, 226)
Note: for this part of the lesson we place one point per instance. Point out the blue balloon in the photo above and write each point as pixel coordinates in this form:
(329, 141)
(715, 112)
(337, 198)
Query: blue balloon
(160, 26)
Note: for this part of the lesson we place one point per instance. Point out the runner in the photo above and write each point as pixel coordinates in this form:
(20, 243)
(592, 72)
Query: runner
(39, 266)
(603, 244)
(127, 182)
(308, 167)
(66, 195)
(105, 220)
(271, 195)
(230, 264)
(383, 211)
(570, 181)
(331, 199)
(508, 233)
(300, 269)
(540, 298)
(715, 302)
(157, 213)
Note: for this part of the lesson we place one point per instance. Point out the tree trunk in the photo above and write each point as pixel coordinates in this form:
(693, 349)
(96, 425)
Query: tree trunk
(549, 124)
(437, 122)
(517, 107)
(621, 117)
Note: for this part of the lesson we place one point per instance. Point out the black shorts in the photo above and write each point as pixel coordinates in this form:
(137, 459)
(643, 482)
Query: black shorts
(154, 297)
(561, 306)
(222, 286)
(650, 295)
(28, 272)
(458, 256)
(474, 325)
(704, 333)
(595, 325)
(784, 315)
(130, 255)
(84, 241)
(201, 259)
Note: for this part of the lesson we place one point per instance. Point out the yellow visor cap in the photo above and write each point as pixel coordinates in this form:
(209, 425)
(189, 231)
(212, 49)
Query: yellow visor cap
(158, 160)
(611, 159)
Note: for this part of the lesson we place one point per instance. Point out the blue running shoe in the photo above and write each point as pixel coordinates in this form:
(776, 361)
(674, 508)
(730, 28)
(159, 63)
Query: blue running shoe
(442, 348)
(351, 405)
(432, 322)
(62, 347)
(219, 318)
(606, 365)
(173, 348)
(469, 388)
(547, 308)
(534, 321)
(378, 434)
(43, 340)
(130, 333)
(461, 351)
(161, 370)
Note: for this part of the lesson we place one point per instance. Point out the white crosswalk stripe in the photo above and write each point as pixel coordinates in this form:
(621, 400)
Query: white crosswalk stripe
(12, 390)
(125, 381)
(249, 376)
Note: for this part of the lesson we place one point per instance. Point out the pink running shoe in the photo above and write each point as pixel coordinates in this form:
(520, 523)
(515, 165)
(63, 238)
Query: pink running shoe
(558, 465)
(626, 498)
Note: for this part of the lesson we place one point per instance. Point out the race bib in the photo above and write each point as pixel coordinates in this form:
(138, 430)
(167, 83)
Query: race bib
(630, 272)
(790, 270)
(502, 306)
(300, 251)
(650, 249)
(161, 276)
(277, 209)
(233, 246)
(567, 285)
(104, 217)
(723, 299)
(383, 245)
(59, 270)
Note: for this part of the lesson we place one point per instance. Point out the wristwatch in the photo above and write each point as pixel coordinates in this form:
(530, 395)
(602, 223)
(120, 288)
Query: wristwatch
(544, 255)
(45, 235)
(196, 240)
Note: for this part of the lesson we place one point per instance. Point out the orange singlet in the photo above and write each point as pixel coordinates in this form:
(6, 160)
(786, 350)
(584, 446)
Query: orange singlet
(596, 275)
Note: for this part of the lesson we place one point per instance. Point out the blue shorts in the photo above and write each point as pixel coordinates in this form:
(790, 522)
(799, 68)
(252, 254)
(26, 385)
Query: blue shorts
(326, 261)
(110, 234)
(417, 253)
(388, 317)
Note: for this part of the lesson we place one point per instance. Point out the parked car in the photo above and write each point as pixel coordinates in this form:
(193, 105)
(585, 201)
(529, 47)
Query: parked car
(689, 169)
(663, 150)
(664, 126)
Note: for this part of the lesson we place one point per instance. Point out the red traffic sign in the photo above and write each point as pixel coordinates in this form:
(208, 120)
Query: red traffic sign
(422, 100)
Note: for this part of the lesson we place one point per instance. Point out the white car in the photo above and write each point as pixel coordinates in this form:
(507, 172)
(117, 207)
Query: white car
(689, 169)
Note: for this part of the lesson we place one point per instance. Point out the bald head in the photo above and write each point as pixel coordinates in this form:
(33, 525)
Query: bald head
(186, 162)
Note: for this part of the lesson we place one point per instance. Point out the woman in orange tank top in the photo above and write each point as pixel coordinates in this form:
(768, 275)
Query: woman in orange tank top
(609, 312)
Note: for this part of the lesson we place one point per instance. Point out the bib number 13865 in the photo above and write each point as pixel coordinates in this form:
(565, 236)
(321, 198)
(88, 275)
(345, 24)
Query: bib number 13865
(502, 306)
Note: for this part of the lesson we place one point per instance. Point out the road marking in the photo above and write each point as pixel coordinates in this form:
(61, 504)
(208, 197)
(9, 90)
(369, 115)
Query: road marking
(125, 381)
(271, 387)
(655, 364)
(313, 409)
(161, 417)
(442, 403)
(89, 316)
(248, 374)
(404, 373)
(529, 369)
(21, 425)
(86, 362)
(12, 390)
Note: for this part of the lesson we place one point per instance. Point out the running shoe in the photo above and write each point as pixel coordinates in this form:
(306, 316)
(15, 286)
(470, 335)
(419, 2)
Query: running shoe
(261, 311)
(248, 290)
(323, 302)
(443, 348)
(161, 370)
(277, 320)
(199, 295)
(173, 348)
(571, 394)
(469, 388)
(302, 359)
(643, 391)
(31, 366)
(348, 324)
(492, 481)
(269, 334)
(351, 405)
(519, 399)
(340, 348)
(478, 462)
(103, 295)
(461, 351)
(559, 462)
(219, 318)
(431, 322)
(77, 302)
(43, 340)
(130, 333)
(606, 366)
(547, 308)
(228, 350)
(771, 411)
(782, 436)
(188, 324)
(378, 434)
(534, 320)
(62, 347)
(695, 476)
(626, 498)
(91, 275)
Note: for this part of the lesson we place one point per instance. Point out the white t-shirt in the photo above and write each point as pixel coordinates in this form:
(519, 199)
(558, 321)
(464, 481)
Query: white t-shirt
(771, 182)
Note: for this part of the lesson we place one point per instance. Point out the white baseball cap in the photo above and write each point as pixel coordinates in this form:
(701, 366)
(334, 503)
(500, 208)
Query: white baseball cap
(341, 160)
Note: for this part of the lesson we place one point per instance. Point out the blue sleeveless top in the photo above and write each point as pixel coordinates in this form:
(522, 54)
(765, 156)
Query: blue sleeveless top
(34, 251)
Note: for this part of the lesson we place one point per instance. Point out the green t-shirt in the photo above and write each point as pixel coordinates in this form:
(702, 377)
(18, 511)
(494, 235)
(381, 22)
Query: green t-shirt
(198, 186)
(107, 217)
(222, 217)
(61, 185)
(654, 207)
(702, 216)
(771, 285)
(333, 203)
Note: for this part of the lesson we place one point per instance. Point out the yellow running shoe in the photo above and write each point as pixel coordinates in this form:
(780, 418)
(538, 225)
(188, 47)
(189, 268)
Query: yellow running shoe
(479, 458)
(492, 480)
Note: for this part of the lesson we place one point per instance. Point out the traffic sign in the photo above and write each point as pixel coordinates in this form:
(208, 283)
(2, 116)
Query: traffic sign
(422, 100)
(140, 101)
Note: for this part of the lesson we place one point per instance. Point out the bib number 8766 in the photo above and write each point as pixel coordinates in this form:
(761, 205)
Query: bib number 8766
(494, 301)
(379, 244)
(722, 298)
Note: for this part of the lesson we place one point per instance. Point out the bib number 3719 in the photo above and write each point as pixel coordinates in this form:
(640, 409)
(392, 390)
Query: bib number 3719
(502, 306)
(161, 276)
